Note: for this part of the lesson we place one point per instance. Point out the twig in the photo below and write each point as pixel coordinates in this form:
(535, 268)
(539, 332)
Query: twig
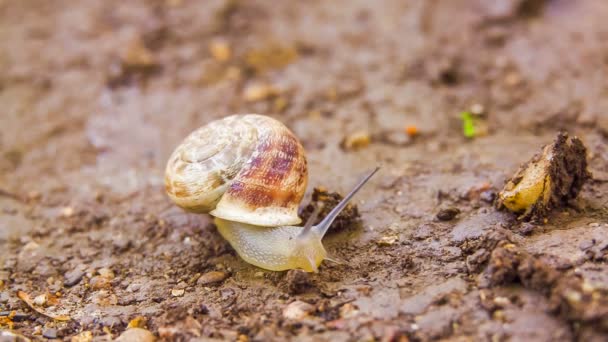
(26, 298)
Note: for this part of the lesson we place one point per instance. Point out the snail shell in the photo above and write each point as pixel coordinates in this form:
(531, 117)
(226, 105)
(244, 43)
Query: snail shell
(243, 168)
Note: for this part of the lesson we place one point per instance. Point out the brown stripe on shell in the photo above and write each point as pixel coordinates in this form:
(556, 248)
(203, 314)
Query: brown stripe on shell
(275, 175)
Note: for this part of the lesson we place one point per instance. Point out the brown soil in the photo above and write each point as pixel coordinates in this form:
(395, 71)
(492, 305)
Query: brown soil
(94, 96)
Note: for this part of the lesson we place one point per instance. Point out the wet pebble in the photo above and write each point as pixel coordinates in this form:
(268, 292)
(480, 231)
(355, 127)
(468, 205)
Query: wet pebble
(110, 321)
(297, 310)
(136, 335)
(40, 300)
(10, 336)
(85, 336)
(211, 278)
(99, 282)
(73, 277)
(49, 333)
(356, 140)
(488, 196)
(447, 214)
(177, 292)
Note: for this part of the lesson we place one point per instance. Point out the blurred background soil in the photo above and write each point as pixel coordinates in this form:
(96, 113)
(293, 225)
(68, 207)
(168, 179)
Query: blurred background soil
(94, 96)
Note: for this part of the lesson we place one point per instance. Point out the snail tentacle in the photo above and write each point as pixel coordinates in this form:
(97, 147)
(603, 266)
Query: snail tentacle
(323, 226)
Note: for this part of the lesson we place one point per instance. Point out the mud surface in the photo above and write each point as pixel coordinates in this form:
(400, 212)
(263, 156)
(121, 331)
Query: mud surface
(96, 94)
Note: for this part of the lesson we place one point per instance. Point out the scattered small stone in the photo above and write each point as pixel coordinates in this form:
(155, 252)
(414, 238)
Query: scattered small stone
(50, 333)
(356, 140)
(138, 322)
(15, 316)
(297, 310)
(67, 212)
(502, 301)
(4, 297)
(177, 292)
(121, 243)
(34, 195)
(85, 336)
(259, 274)
(348, 310)
(387, 240)
(297, 281)
(136, 335)
(271, 56)
(526, 228)
(106, 273)
(447, 214)
(73, 277)
(586, 244)
(477, 109)
(488, 196)
(220, 50)
(10, 336)
(259, 91)
(211, 278)
(137, 54)
(110, 321)
(396, 138)
(40, 300)
(99, 282)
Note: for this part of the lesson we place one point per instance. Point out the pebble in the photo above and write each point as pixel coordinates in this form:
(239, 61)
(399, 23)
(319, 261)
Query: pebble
(15, 316)
(50, 333)
(4, 297)
(136, 335)
(398, 138)
(110, 321)
(259, 91)
(106, 273)
(211, 278)
(477, 109)
(488, 196)
(356, 140)
(297, 310)
(447, 214)
(177, 292)
(6, 335)
(73, 277)
(387, 240)
(40, 300)
(85, 336)
(99, 282)
(67, 212)
(220, 50)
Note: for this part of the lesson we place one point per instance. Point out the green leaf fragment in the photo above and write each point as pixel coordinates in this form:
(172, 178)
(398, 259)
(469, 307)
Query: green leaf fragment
(468, 124)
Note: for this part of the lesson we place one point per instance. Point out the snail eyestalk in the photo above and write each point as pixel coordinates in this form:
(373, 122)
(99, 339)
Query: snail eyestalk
(323, 226)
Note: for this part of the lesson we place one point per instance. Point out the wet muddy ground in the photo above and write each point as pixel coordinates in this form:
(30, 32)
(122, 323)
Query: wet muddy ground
(94, 95)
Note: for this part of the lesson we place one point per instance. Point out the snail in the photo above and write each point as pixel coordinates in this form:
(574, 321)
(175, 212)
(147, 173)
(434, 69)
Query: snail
(250, 173)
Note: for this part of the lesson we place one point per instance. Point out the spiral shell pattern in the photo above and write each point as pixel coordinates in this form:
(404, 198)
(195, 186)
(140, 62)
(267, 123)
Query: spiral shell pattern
(245, 168)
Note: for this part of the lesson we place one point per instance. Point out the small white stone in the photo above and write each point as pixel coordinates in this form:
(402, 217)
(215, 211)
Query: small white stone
(297, 310)
(177, 292)
(136, 335)
(40, 300)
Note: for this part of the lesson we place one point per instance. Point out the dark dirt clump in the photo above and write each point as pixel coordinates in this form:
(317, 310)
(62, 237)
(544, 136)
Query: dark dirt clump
(572, 296)
(297, 281)
(321, 197)
(550, 180)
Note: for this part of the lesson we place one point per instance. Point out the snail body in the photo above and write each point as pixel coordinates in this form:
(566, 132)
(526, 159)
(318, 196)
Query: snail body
(250, 173)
